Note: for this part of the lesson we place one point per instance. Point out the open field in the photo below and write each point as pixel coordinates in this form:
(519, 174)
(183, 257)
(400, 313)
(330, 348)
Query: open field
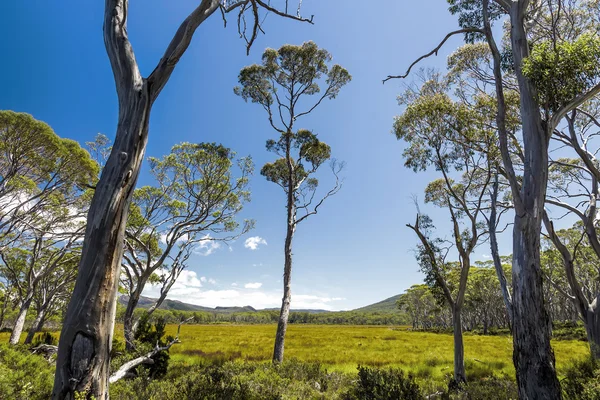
(427, 355)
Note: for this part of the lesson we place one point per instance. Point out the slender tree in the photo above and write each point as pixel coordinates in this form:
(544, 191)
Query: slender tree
(281, 85)
(86, 337)
(438, 132)
(53, 291)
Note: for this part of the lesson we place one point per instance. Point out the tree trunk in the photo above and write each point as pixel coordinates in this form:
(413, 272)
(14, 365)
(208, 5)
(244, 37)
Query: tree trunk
(460, 375)
(4, 306)
(86, 338)
(287, 290)
(492, 226)
(533, 356)
(37, 325)
(129, 326)
(20, 322)
(592, 327)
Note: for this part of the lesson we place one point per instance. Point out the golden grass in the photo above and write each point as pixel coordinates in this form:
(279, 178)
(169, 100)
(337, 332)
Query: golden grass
(427, 355)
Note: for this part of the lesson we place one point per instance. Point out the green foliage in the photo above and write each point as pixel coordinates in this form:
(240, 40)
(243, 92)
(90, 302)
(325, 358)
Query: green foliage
(384, 384)
(569, 331)
(44, 338)
(237, 381)
(24, 376)
(151, 335)
(284, 80)
(490, 388)
(582, 381)
(564, 70)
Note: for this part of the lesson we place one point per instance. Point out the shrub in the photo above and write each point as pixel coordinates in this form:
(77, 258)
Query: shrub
(44, 338)
(384, 384)
(582, 381)
(152, 336)
(491, 388)
(24, 376)
(569, 331)
(236, 380)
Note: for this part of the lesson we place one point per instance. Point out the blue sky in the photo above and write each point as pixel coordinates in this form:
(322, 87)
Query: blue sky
(357, 250)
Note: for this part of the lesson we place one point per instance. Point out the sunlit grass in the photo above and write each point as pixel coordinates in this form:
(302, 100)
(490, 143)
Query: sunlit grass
(429, 356)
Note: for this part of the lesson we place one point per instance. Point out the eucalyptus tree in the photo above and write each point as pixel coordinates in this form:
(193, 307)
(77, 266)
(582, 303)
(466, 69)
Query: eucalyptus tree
(438, 130)
(423, 308)
(195, 198)
(559, 64)
(85, 342)
(36, 168)
(573, 191)
(44, 249)
(281, 85)
(53, 291)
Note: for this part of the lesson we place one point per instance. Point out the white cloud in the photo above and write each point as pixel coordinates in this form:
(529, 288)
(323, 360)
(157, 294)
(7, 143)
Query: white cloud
(486, 256)
(190, 288)
(207, 246)
(253, 242)
(212, 281)
(255, 285)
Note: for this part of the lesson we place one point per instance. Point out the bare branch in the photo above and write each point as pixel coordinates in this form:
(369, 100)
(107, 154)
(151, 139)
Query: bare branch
(433, 52)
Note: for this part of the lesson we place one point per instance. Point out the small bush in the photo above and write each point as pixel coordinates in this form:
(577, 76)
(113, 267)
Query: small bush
(236, 381)
(569, 331)
(151, 336)
(44, 338)
(24, 376)
(384, 384)
(582, 381)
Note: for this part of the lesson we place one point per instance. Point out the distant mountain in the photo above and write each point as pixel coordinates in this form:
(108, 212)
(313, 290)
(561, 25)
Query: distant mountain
(146, 302)
(384, 306)
(310, 311)
(387, 305)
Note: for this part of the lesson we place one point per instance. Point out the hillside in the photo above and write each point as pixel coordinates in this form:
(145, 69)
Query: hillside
(384, 306)
(387, 305)
(177, 305)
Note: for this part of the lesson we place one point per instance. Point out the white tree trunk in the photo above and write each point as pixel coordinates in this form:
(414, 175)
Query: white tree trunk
(20, 322)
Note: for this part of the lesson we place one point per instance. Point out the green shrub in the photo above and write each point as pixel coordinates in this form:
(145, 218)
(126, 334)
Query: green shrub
(236, 380)
(24, 376)
(384, 384)
(569, 331)
(582, 381)
(44, 338)
(153, 335)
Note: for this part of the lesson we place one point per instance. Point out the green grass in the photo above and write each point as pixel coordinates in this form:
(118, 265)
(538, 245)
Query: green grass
(341, 348)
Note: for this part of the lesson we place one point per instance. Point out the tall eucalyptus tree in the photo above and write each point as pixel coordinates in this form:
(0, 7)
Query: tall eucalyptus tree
(280, 85)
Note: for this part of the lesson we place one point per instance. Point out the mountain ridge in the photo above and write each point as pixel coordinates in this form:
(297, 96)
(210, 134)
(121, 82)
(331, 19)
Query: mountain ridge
(383, 306)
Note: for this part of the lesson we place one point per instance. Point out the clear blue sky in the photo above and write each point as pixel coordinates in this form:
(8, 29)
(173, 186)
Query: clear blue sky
(357, 250)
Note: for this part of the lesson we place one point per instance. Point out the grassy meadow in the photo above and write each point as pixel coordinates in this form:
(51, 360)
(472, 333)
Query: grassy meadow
(428, 356)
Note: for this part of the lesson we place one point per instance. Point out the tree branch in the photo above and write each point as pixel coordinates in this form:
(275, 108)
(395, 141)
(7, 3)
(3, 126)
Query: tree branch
(433, 52)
